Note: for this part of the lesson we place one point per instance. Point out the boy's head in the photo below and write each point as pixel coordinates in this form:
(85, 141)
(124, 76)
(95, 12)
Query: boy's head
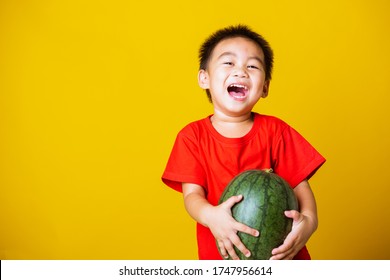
(243, 31)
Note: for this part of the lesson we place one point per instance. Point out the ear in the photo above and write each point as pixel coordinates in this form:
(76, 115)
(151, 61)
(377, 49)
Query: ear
(203, 79)
(265, 89)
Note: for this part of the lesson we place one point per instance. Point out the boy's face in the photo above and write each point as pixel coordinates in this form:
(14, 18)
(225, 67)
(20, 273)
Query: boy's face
(235, 76)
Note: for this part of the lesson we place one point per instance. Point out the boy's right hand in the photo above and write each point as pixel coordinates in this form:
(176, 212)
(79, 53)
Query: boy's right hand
(224, 228)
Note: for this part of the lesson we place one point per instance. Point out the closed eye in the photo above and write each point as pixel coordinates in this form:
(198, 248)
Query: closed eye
(253, 67)
(228, 63)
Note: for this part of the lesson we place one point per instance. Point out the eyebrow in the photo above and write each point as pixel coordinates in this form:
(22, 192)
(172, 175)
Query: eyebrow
(233, 54)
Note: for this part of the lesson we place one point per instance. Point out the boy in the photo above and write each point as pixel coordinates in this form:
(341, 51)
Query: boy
(235, 70)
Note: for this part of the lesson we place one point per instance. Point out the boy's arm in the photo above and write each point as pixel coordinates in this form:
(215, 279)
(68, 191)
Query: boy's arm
(305, 223)
(218, 219)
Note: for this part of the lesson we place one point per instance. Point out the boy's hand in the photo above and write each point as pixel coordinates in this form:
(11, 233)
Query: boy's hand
(303, 227)
(218, 219)
(224, 228)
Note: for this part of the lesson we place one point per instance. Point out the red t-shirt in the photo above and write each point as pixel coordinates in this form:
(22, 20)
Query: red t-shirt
(202, 156)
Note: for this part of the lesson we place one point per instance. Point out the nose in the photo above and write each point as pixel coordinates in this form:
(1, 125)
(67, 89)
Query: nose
(240, 72)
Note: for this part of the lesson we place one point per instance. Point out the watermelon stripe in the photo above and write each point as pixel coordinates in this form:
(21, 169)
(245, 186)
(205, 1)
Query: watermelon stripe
(266, 186)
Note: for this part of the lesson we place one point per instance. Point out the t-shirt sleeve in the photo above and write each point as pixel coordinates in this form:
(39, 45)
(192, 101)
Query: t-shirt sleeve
(295, 159)
(185, 163)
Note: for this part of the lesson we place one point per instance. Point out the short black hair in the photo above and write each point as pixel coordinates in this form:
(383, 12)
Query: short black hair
(240, 30)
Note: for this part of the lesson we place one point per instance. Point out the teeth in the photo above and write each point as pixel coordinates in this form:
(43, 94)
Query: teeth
(238, 86)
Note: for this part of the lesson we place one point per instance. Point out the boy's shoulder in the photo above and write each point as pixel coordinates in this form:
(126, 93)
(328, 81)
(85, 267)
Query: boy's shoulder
(195, 126)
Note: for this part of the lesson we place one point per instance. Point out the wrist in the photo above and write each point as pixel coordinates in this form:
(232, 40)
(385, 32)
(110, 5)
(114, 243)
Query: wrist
(206, 215)
(312, 221)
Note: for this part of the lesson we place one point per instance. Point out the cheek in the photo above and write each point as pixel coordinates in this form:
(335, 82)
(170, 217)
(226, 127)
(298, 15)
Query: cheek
(261, 84)
(259, 92)
(218, 81)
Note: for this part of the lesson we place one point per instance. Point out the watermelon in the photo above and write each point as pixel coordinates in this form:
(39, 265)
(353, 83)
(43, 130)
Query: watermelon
(265, 198)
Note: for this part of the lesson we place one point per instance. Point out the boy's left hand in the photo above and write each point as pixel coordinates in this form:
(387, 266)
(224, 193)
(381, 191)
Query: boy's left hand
(303, 227)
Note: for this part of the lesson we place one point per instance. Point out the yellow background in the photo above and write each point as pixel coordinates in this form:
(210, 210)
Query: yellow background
(92, 94)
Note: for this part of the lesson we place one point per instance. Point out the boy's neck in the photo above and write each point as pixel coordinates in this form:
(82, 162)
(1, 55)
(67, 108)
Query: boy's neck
(232, 127)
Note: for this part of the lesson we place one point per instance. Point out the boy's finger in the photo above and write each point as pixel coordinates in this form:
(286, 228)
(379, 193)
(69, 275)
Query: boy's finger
(232, 200)
(233, 254)
(248, 230)
(222, 249)
(286, 255)
(285, 247)
(293, 214)
(230, 250)
(240, 246)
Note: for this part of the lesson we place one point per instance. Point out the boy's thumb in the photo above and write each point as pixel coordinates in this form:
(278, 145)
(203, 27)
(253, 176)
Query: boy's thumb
(233, 200)
(293, 214)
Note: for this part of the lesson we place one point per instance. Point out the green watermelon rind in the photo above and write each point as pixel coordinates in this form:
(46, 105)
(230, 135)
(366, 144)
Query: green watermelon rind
(269, 195)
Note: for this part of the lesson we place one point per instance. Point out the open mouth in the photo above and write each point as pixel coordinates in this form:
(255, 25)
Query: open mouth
(237, 91)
